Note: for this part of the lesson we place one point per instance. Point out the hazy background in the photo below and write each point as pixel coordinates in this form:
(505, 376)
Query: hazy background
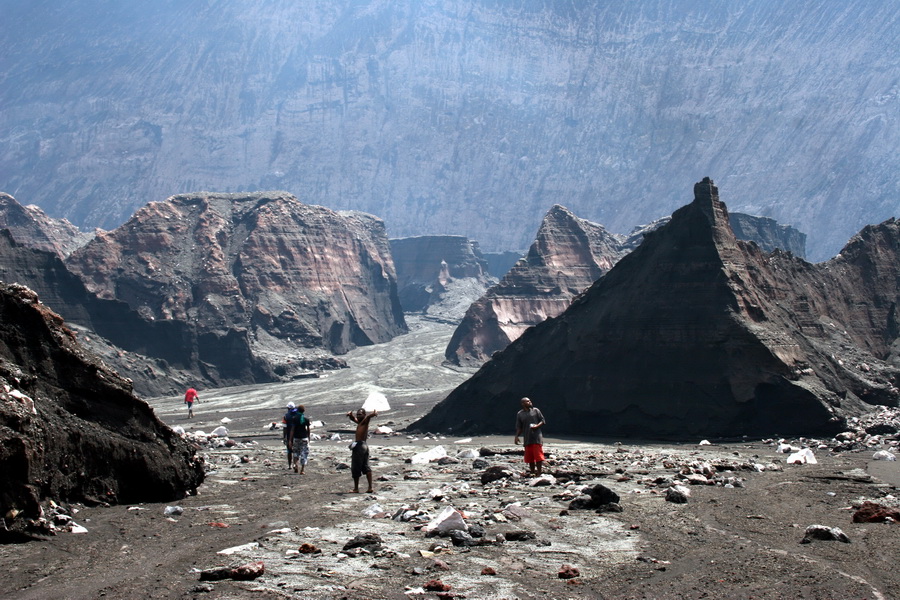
(467, 117)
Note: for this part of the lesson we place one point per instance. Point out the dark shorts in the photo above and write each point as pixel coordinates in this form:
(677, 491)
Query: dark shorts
(359, 459)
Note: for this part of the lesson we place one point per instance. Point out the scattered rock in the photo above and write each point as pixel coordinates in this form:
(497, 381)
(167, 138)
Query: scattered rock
(825, 533)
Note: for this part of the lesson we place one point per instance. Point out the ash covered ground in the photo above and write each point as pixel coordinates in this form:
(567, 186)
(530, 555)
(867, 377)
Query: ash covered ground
(738, 535)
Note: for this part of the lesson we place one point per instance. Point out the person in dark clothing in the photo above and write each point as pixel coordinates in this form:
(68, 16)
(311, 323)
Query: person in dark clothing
(359, 458)
(529, 422)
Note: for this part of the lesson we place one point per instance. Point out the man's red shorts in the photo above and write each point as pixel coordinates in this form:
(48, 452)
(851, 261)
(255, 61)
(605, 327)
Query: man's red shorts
(534, 453)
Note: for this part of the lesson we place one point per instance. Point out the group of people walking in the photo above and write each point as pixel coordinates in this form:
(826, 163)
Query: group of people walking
(296, 428)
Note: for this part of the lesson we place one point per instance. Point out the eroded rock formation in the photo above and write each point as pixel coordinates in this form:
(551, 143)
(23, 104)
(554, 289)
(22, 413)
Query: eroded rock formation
(696, 333)
(482, 328)
(161, 357)
(439, 274)
(260, 269)
(567, 256)
(31, 226)
(71, 429)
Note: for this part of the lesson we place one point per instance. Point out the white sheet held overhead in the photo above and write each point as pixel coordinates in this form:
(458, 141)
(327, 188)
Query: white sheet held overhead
(376, 401)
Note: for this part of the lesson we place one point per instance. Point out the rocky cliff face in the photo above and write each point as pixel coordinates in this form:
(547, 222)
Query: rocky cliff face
(454, 115)
(696, 333)
(567, 256)
(70, 429)
(161, 357)
(262, 270)
(439, 274)
(768, 233)
(31, 226)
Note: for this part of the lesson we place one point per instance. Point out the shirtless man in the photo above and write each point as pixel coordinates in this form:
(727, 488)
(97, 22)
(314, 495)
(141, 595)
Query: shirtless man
(359, 459)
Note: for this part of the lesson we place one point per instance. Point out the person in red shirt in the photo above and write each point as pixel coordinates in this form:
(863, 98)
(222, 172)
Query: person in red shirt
(190, 397)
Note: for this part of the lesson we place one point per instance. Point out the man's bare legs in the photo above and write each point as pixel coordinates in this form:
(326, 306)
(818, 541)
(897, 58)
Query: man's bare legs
(356, 484)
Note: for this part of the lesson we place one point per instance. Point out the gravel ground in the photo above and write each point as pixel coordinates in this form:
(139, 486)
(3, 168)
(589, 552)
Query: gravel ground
(737, 536)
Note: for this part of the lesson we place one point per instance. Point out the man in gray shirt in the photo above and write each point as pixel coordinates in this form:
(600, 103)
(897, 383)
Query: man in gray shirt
(529, 422)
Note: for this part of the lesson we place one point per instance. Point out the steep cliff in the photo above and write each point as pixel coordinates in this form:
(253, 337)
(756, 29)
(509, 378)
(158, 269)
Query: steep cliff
(439, 275)
(31, 226)
(259, 269)
(455, 115)
(161, 357)
(70, 429)
(567, 256)
(696, 333)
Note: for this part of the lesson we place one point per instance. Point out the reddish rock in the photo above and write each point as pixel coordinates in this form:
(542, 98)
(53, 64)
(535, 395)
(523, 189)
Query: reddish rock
(568, 572)
(307, 548)
(436, 585)
(488, 571)
(567, 256)
(696, 333)
(871, 512)
(264, 269)
(246, 572)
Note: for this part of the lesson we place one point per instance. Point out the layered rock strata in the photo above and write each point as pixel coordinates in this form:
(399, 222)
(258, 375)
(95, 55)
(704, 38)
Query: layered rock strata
(31, 226)
(696, 333)
(567, 256)
(482, 328)
(161, 357)
(431, 268)
(265, 266)
(71, 430)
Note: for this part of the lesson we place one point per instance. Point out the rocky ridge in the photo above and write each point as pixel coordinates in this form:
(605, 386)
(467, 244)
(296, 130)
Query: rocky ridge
(290, 281)
(439, 275)
(71, 430)
(698, 333)
(31, 226)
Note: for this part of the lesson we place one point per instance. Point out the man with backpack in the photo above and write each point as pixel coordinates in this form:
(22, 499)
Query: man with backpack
(296, 437)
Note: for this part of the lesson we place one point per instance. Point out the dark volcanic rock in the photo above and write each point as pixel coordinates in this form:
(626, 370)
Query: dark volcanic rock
(567, 256)
(262, 269)
(161, 357)
(697, 333)
(429, 266)
(71, 429)
(30, 226)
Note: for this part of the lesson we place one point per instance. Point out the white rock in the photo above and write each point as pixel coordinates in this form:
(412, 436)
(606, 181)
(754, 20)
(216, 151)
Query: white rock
(705, 443)
(803, 457)
(373, 510)
(463, 441)
(884, 455)
(78, 528)
(225, 421)
(470, 453)
(220, 432)
(383, 429)
(238, 549)
(178, 429)
(448, 520)
(426, 457)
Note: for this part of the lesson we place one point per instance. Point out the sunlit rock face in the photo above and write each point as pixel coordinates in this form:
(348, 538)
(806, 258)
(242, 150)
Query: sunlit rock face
(567, 256)
(31, 226)
(71, 430)
(436, 273)
(696, 333)
(263, 265)
(456, 115)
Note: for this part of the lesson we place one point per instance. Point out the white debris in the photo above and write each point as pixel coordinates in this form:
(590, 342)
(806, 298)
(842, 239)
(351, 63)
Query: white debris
(376, 402)
(449, 520)
(426, 457)
(220, 432)
(884, 455)
(173, 510)
(76, 528)
(178, 429)
(280, 531)
(225, 421)
(335, 437)
(463, 441)
(470, 453)
(373, 510)
(705, 443)
(803, 457)
(315, 424)
(238, 549)
(383, 429)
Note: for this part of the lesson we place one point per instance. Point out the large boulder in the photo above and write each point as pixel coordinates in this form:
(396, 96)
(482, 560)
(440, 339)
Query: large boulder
(71, 430)
(698, 333)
